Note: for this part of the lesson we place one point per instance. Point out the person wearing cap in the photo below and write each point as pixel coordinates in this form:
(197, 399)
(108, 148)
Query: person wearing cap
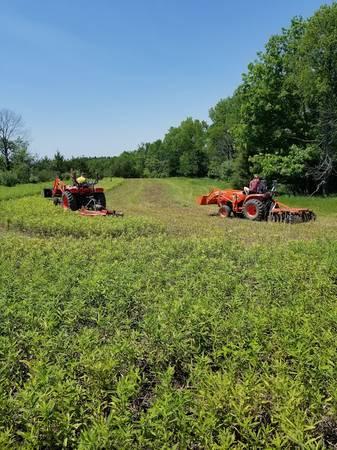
(81, 179)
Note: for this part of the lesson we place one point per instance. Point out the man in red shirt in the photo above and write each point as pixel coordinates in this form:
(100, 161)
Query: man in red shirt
(253, 185)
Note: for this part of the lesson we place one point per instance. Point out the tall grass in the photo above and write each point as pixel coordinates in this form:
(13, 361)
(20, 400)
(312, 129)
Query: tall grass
(40, 216)
(163, 343)
(21, 190)
(221, 335)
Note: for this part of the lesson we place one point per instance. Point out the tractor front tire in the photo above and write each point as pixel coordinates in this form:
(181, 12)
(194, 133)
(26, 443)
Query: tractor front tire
(254, 210)
(225, 211)
(100, 198)
(69, 201)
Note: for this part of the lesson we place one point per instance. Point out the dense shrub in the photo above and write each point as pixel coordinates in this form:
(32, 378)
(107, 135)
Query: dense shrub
(8, 178)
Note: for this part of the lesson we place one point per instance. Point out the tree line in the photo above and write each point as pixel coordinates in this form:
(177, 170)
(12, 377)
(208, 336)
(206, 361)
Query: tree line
(281, 122)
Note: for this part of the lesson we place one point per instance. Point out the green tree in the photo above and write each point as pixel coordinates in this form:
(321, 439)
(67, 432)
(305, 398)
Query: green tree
(124, 166)
(289, 168)
(59, 163)
(273, 115)
(316, 71)
(185, 147)
(220, 143)
(156, 161)
(22, 161)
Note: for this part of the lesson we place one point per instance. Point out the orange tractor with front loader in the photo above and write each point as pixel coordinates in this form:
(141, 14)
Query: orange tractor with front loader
(255, 206)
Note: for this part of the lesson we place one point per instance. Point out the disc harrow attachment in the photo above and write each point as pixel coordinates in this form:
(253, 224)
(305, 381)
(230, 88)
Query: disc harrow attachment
(282, 213)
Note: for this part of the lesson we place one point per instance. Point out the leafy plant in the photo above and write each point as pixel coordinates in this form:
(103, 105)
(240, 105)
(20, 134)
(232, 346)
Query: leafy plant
(153, 340)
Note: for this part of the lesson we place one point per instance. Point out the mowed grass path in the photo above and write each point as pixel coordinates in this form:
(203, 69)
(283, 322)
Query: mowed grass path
(172, 201)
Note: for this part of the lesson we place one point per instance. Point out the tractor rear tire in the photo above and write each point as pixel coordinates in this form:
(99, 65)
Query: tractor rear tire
(69, 201)
(100, 198)
(225, 211)
(254, 210)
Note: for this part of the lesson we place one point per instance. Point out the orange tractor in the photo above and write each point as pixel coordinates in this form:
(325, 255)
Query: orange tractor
(86, 198)
(254, 206)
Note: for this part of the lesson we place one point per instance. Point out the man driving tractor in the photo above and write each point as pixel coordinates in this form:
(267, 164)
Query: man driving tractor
(254, 186)
(81, 179)
(78, 180)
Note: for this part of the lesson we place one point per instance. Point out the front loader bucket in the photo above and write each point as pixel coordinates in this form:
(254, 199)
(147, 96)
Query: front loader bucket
(211, 198)
(202, 199)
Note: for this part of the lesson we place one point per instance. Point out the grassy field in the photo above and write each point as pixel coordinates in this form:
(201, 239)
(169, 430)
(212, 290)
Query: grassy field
(21, 190)
(168, 328)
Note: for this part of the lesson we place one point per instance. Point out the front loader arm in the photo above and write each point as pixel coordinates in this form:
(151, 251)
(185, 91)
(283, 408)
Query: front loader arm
(211, 198)
(58, 187)
(221, 197)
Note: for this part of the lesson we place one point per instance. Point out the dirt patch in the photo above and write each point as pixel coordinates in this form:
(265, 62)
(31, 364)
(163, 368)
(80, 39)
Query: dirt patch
(328, 429)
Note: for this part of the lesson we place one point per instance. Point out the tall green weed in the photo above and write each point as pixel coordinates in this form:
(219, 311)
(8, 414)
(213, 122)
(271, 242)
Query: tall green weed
(167, 343)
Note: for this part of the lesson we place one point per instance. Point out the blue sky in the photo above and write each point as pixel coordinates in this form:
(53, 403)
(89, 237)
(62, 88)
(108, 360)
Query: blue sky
(98, 78)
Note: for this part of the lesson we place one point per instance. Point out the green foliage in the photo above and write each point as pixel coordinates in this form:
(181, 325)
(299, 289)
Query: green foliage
(8, 178)
(317, 55)
(271, 105)
(316, 70)
(178, 357)
(41, 217)
(222, 170)
(273, 116)
(59, 164)
(124, 166)
(156, 163)
(288, 97)
(220, 143)
(185, 148)
(125, 334)
(181, 153)
(288, 168)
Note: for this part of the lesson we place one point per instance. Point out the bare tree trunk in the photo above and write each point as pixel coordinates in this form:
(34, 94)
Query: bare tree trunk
(11, 125)
(328, 125)
(6, 151)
